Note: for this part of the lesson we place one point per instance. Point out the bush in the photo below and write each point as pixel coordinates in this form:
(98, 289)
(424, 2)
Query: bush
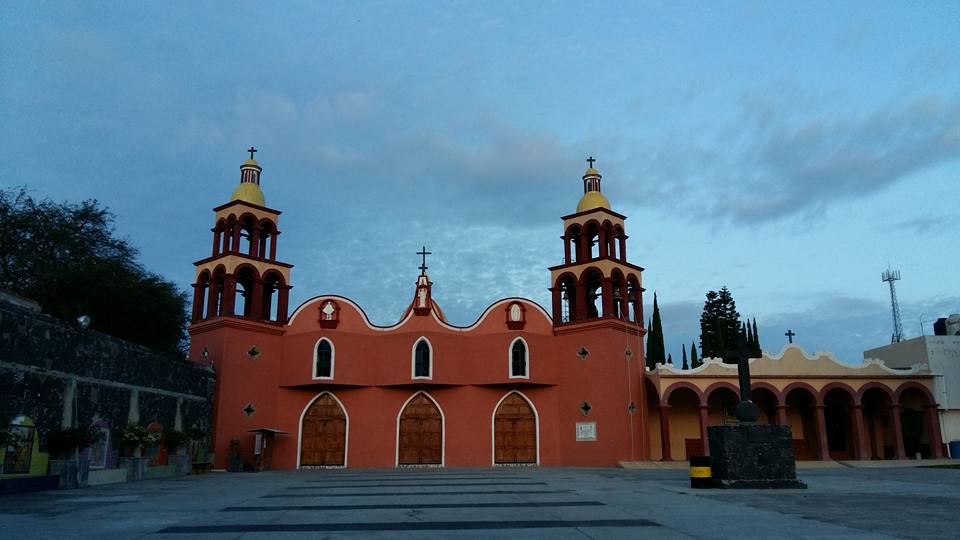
(62, 442)
(174, 439)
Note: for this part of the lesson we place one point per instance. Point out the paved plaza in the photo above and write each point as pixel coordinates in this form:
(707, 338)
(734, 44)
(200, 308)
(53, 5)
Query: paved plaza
(494, 503)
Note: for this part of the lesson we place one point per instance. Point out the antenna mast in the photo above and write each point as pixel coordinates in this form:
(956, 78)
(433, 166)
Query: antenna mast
(890, 276)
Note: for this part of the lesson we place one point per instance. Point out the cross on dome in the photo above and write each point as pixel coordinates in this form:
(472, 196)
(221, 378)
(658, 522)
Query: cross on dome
(590, 160)
(252, 150)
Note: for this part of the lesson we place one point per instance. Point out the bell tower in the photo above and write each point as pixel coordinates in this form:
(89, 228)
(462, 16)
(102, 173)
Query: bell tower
(242, 277)
(595, 281)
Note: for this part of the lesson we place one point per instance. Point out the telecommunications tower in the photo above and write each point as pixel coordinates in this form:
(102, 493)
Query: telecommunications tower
(890, 276)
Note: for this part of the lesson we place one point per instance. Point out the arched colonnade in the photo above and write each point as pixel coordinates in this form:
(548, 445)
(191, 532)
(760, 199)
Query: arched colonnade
(873, 421)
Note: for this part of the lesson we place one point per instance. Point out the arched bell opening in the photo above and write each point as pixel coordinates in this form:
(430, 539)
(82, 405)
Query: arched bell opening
(215, 292)
(621, 240)
(200, 292)
(571, 245)
(608, 241)
(618, 287)
(246, 291)
(267, 242)
(592, 282)
(635, 299)
(218, 237)
(274, 299)
(591, 240)
(249, 235)
(565, 299)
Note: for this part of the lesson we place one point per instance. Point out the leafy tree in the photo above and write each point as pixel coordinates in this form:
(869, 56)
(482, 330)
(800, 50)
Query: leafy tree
(656, 352)
(66, 257)
(694, 361)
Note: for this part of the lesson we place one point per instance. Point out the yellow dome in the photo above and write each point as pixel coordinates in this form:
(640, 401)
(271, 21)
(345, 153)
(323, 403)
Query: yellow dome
(251, 162)
(591, 172)
(248, 192)
(592, 200)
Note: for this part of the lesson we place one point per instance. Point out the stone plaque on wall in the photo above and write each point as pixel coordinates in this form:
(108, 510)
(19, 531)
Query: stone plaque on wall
(586, 431)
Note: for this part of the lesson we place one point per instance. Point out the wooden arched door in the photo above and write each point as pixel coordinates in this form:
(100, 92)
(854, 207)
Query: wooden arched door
(420, 433)
(514, 431)
(324, 438)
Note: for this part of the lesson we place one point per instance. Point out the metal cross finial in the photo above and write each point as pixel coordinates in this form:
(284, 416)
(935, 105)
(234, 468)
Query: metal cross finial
(590, 160)
(790, 335)
(251, 150)
(423, 267)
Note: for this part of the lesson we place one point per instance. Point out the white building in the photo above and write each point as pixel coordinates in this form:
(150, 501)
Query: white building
(942, 356)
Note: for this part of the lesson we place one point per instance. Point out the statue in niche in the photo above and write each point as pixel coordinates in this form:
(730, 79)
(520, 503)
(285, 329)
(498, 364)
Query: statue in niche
(422, 297)
(515, 313)
(328, 311)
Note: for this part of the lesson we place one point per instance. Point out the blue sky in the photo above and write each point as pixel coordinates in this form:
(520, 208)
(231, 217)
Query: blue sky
(788, 151)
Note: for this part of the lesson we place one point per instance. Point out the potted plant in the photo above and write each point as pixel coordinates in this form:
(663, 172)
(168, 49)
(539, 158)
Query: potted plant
(132, 437)
(174, 441)
(63, 445)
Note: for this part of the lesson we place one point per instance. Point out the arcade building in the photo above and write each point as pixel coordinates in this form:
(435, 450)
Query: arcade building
(322, 386)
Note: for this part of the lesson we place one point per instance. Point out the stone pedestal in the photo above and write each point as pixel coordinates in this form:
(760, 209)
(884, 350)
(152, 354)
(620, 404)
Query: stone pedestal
(750, 455)
(73, 473)
(136, 467)
(181, 464)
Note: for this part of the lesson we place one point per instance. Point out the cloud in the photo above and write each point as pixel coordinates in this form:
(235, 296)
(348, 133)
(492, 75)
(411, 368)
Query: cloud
(921, 225)
(791, 156)
(806, 166)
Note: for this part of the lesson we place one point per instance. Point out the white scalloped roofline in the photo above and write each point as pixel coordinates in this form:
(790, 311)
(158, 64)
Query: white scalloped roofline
(433, 313)
(915, 369)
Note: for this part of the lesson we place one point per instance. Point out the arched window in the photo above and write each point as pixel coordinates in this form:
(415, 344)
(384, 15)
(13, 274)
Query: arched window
(422, 368)
(518, 359)
(323, 360)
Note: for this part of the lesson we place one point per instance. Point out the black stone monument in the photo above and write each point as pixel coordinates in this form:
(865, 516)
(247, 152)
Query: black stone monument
(748, 454)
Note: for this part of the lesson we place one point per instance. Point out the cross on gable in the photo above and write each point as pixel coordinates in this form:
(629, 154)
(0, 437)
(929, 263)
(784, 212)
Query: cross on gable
(423, 266)
(789, 334)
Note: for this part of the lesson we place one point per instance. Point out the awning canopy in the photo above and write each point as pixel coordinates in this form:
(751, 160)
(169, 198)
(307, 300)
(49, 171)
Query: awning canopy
(268, 430)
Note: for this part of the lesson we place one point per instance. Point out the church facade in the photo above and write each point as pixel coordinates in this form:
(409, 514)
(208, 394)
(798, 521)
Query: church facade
(322, 386)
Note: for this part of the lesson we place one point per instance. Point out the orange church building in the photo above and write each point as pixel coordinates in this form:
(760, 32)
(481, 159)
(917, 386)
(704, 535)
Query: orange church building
(322, 386)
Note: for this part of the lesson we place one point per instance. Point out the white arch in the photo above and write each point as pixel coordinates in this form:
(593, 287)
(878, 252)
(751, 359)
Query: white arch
(333, 357)
(526, 359)
(493, 425)
(443, 428)
(346, 431)
(413, 358)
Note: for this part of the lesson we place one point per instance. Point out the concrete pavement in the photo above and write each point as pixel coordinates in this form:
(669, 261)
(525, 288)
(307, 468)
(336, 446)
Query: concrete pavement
(494, 503)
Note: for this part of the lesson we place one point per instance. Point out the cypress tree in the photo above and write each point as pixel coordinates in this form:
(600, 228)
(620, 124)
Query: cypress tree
(756, 339)
(684, 349)
(694, 361)
(656, 352)
(670, 359)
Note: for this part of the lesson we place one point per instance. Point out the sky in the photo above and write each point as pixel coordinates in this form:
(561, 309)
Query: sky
(789, 151)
